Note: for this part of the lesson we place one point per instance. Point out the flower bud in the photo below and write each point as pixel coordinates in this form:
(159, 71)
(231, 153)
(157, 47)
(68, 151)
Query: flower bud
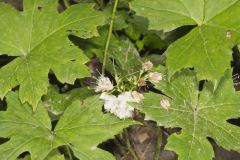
(155, 77)
(137, 96)
(147, 66)
(141, 82)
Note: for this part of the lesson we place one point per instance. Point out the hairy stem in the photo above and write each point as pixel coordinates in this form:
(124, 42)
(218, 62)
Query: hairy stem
(109, 36)
(129, 146)
(158, 144)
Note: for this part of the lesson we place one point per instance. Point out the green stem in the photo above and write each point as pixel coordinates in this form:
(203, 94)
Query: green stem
(66, 3)
(129, 146)
(69, 153)
(158, 145)
(109, 36)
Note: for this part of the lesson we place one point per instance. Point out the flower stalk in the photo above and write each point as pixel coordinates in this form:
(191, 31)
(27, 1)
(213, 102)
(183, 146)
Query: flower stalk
(109, 37)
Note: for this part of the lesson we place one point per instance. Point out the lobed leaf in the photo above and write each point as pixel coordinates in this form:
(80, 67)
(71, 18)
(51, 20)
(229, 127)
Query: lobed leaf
(82, 127)
(200, 114)
(38, 38)
(208, 46)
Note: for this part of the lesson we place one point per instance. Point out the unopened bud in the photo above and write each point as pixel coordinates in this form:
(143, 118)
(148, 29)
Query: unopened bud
(155, 77)
(137, 96)
(141, 82)
(147, 66)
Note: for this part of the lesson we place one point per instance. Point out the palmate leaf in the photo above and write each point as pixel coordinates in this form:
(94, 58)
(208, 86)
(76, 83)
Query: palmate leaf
(38, 38)
(82, 127)
(200, 114)
(207, 47)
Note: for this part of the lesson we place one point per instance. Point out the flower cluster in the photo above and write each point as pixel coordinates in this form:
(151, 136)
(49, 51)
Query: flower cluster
(117, 98)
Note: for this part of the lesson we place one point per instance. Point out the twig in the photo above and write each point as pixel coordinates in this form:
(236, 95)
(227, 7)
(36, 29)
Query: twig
(131, 151)
(158, 145)
(109, 36)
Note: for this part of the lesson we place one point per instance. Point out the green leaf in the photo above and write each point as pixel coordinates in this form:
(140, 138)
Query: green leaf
(137, 26)
(126, 57)
(38, 38)
(27, 131)
(55, 155)
(82, 127)
(207, 47)
(200, 114)
(120, 17)
(56, 103)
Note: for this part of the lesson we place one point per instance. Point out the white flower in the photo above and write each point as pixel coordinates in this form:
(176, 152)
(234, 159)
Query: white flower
(110, 102)
(165, 104)
(137, 96)
(103, 84)
(118, 105)
(155, 77)
(147, 66)
(126, 96)
(124, 110)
